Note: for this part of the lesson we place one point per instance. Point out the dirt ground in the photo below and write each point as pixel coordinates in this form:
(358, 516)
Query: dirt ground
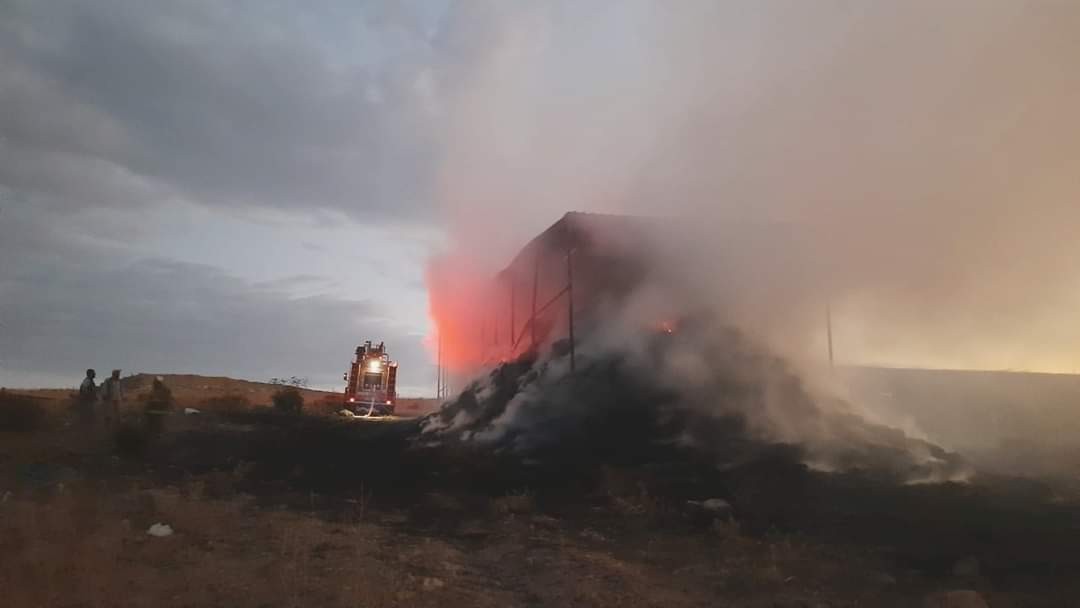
(314, 511)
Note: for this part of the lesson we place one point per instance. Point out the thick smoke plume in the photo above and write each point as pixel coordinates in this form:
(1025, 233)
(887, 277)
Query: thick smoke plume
(911, 166)
(926, 154)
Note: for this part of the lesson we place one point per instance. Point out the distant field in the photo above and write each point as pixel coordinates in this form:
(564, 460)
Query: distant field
(1013, 421)
(195, 391)
(1010, 420)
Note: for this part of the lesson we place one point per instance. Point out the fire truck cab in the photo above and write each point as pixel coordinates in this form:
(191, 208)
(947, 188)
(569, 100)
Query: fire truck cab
(371, 382)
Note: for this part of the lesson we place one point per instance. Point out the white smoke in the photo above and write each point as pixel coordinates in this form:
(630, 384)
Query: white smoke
(924, 154)
(706, 387)
(912, 165)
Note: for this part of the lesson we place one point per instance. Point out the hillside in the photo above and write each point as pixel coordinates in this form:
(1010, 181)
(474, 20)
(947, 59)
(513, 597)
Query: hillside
(191, 390)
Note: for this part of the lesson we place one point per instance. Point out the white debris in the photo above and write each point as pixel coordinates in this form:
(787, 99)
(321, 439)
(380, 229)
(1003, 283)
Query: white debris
(432, 583)
(716, 506)
(346, 413)
(964, 598)
(191, 411)
(160, 530)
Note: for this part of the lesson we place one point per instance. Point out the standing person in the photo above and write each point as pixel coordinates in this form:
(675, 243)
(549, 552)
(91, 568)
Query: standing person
(111, 396)
(158, 404)
(87, 402)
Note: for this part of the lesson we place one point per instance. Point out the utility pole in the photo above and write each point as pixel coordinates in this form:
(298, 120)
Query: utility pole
(438, 369)
(828, 331)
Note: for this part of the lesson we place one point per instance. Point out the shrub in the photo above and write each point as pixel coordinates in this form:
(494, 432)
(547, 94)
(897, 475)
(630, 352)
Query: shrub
(288, 400)
(295, 381)
(20, 413)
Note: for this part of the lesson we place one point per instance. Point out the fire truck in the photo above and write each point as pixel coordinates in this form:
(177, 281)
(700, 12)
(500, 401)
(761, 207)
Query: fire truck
(371, 382)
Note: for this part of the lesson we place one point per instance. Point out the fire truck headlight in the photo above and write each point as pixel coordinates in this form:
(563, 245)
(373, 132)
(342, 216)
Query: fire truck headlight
(352, 399)
(374, 366)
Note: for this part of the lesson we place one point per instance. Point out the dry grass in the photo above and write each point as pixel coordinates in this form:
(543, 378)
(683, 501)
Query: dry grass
(225, 404)
(521, 502)
(189, 390)
(85, 544)
(628, 495)
(81, 547)
(21, 413)
(327, 405)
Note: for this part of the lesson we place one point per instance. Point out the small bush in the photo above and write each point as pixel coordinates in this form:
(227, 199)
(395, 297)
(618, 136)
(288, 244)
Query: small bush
(294, 381)
(21, 414)
(288, 400)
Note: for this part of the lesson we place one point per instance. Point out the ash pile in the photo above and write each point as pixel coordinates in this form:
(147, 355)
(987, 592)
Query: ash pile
(704, 393)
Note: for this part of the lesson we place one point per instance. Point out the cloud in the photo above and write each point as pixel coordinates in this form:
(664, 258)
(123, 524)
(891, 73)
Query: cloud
(142, 149)
(123, 103)
(875, 126)
(84, 305)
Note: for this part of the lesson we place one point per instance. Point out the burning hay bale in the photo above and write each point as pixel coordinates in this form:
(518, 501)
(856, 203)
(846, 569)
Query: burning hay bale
(703, 392)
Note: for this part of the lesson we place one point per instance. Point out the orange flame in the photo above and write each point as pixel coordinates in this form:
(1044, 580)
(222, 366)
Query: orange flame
(463, 305)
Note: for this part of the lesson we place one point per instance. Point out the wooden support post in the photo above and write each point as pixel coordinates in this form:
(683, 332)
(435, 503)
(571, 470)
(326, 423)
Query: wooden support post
(570, 303)
(536, 288)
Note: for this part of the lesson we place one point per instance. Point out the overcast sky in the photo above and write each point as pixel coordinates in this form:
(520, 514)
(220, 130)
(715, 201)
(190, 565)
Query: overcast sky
(235, 188)
(252, 188)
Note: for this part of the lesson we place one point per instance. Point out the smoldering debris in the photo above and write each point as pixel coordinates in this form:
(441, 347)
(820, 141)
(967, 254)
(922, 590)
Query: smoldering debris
(702, 392)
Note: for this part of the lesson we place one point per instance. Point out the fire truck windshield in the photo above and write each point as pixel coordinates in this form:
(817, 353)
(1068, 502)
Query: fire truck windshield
(372, 381)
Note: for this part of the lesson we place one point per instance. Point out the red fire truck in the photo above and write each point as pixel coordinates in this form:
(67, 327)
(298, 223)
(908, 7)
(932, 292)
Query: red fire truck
(371, 382)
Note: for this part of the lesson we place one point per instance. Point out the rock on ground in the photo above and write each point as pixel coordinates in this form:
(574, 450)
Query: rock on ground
(964, 598)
